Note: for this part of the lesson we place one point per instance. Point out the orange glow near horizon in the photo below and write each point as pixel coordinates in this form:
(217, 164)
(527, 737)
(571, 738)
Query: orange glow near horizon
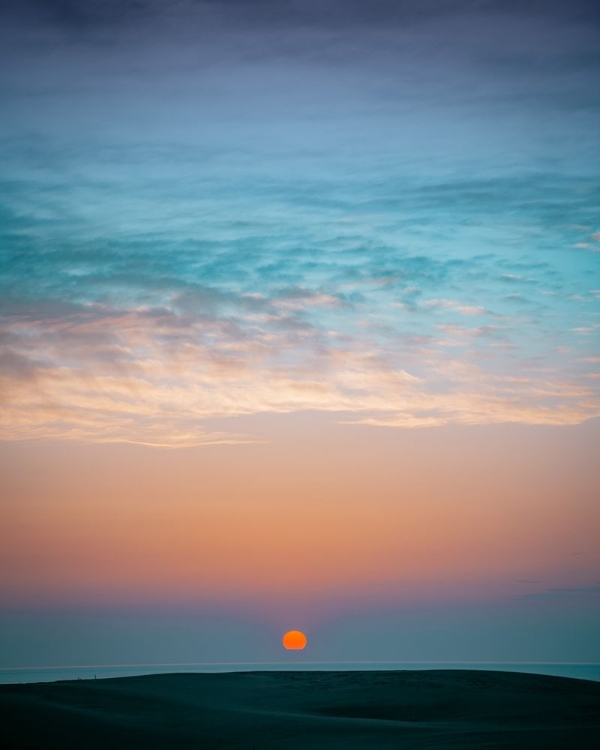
(359, 511)
(294, 640)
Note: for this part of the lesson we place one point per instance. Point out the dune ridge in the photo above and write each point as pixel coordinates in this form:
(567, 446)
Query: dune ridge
(296, 709)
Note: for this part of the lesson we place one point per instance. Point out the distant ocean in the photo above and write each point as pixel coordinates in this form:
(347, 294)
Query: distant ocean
(51, 674)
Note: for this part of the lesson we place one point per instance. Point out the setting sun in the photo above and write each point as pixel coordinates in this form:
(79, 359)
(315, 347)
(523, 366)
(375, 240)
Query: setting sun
(294, 640)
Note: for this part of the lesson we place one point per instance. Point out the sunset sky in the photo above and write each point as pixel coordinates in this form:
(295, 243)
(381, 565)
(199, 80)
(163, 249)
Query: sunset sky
(299, 329)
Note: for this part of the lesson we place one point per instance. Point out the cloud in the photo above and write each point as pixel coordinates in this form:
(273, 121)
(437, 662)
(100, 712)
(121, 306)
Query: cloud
(144, 330)
(564, 593)
(155, 376)
(213, 209)
(448, 304)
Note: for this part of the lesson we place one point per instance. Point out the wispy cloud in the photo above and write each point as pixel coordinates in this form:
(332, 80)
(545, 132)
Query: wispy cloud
(214, 209)
(144, 331)
(153, 375)
(565, 593)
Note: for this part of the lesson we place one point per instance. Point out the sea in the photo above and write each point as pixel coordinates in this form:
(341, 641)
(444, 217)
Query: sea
(89, 672)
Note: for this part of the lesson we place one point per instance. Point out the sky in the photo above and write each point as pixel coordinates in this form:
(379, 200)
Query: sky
(299, 329)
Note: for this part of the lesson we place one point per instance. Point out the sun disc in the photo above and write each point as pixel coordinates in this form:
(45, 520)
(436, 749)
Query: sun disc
(294, 640)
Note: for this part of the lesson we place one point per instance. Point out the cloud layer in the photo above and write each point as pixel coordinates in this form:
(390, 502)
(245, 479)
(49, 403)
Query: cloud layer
(357, 212)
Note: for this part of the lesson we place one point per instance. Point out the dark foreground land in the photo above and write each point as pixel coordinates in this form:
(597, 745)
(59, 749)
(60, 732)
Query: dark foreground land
(308, 710)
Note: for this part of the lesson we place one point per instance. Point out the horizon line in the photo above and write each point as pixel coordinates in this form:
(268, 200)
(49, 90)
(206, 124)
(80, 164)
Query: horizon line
(268, 663)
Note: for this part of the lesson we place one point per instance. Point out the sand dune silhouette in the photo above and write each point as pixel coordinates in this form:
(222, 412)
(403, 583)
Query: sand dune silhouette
(408, 709)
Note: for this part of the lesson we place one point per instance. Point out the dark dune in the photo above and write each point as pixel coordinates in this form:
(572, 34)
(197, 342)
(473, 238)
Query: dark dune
(405, 709)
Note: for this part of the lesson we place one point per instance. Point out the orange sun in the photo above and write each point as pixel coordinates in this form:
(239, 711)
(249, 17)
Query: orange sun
(294, 640)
